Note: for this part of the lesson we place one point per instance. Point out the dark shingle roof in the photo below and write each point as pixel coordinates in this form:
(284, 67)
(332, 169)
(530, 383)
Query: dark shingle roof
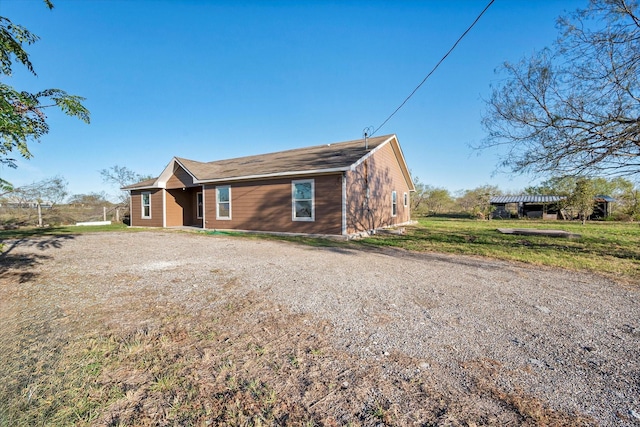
(318, 158)
(149, 183)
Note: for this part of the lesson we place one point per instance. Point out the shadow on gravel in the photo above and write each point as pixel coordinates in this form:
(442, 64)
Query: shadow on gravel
(362, 247)
(20, 266)
(457, 259)
(340, 250)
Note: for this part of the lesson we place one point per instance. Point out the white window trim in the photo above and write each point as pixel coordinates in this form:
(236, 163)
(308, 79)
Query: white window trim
(204, 207)
(226, 218)
(313, 200)
(405, 199)
(394, 203)
(142, 215)
(199, 206)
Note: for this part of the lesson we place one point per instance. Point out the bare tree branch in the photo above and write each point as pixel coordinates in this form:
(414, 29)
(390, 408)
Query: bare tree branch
(575, 108)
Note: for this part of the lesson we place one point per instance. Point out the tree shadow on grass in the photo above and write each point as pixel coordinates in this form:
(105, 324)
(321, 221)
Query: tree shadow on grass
(20, 266)
(587, 244)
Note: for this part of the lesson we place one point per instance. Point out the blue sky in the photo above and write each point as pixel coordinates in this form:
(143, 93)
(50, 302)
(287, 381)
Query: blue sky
(210, 80)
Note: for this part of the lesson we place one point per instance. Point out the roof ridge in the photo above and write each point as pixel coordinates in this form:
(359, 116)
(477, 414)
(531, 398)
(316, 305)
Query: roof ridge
(376, 138)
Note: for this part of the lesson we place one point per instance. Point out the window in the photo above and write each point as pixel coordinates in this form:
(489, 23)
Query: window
(302, 193)
(406, 199)
(394, 204)
(199, 205)
(146, 205)
(223, 202)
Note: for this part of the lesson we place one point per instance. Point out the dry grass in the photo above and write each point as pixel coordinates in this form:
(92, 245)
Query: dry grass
(531, 411)
(58, 214)
(248, 364)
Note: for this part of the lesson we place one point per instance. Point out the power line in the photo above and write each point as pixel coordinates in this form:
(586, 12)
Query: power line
(434, 68)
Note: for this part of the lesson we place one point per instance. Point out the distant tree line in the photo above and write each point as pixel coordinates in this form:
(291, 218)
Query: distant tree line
(579, 194)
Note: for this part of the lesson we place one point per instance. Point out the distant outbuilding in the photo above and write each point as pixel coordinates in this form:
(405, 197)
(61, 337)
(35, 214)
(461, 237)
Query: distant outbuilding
(544, 206)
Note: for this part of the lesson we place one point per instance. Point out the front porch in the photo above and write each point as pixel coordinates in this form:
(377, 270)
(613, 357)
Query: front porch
(183, 207)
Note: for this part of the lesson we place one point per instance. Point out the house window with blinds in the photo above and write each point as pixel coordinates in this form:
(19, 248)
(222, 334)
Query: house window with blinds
(223, 202)
(146, 205)
(302, 200)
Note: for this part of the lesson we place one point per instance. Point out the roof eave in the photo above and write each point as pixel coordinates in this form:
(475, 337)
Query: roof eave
(403, 165)
(272, 175)
(146, 187)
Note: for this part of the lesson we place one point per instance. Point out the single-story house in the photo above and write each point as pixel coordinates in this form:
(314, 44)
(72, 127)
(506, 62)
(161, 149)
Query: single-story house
(545, 206)
(341, 188)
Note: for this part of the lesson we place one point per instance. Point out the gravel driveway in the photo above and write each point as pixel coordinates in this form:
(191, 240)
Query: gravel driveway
(570, 340)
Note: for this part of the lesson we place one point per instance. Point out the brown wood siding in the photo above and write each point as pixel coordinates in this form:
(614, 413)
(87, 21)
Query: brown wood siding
(180, 179)
(156, 208)
(382, 174)
(265, 205)
(174, 208)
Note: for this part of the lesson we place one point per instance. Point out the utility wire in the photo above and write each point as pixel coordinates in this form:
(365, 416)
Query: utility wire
(434, 68)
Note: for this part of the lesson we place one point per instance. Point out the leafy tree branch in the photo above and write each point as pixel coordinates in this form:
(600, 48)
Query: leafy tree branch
(22, 117)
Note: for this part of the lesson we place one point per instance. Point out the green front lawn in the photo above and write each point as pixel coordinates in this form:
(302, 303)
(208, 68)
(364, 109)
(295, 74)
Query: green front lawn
(611, 248)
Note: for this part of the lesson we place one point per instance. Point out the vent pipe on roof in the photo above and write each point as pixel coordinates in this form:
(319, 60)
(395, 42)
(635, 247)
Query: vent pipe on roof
(365, 134)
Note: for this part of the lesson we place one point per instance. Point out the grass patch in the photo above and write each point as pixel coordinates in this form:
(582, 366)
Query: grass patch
(223, 233)
(610, 248)
(166, 375)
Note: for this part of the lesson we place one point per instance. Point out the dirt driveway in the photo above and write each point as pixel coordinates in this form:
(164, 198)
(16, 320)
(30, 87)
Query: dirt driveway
(367, 337)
